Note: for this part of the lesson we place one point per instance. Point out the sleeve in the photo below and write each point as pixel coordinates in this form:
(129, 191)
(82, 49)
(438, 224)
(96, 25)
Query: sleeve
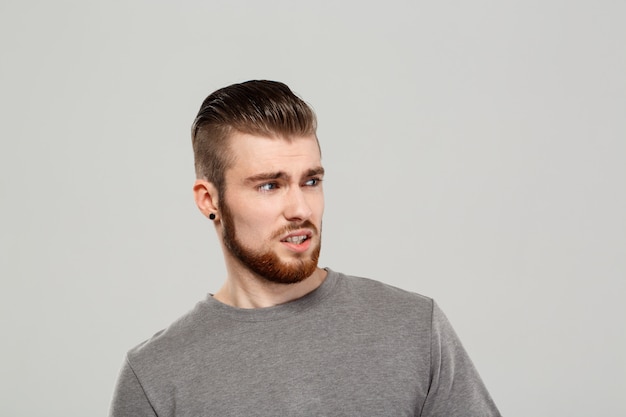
(129, 398)
(455, 386)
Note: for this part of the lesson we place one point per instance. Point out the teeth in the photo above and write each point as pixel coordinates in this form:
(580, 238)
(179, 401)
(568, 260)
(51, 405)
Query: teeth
(296, 239)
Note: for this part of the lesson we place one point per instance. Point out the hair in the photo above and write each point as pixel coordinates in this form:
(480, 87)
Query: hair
(263, 108)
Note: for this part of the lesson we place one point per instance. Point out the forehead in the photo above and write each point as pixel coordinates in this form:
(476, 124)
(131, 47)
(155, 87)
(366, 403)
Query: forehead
(253, 154)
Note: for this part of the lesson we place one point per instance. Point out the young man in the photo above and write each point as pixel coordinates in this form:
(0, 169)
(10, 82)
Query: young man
(283, 337)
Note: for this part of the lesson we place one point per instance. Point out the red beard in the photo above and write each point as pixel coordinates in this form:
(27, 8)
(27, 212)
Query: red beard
(267, 264)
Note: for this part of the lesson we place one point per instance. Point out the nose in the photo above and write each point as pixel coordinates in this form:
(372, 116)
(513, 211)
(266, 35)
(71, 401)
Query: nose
(297, 207)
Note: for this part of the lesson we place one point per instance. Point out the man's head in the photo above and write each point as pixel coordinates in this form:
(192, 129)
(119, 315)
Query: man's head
(262, 108)
(259, 172)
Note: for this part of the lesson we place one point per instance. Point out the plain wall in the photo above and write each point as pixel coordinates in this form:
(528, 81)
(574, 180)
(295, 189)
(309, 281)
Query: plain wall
(475, 153)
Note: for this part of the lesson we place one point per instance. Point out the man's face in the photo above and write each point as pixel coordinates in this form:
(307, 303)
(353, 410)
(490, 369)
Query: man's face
(272, 208)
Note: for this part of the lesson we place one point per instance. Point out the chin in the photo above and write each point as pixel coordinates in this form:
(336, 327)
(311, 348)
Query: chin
(271, 268)
(289, 273)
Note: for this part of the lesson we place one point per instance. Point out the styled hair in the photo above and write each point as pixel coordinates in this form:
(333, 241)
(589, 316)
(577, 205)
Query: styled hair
(263, 108)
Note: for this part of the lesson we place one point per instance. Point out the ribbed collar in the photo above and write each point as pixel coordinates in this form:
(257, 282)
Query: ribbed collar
(277, 312)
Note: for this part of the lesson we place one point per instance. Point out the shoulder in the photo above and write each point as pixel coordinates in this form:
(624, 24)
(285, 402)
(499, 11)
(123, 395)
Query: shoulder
(373, 288)
(178, 339)
(377, 296)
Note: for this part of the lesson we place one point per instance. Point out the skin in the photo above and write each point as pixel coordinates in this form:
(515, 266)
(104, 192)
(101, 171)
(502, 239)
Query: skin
(273, 190)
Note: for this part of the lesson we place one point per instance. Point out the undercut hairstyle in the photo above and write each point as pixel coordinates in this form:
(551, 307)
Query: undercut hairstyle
(262, 108)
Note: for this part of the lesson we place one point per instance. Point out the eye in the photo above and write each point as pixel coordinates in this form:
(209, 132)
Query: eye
(269, 186)
(313, 182)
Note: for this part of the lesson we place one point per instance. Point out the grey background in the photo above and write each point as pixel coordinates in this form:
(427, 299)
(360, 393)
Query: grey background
(475, 153)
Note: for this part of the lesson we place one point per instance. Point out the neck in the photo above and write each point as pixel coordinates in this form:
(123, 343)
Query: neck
(244, 289)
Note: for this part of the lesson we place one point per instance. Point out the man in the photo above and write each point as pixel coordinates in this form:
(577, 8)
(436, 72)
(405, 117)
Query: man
(283, 337)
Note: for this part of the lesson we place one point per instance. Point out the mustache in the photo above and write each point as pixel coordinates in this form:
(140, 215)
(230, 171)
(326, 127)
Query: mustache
(296, 226)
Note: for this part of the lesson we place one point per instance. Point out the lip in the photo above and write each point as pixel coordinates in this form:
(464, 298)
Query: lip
(298, 248)
(299, 232)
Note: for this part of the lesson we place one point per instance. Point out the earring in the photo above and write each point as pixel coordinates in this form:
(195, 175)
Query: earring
(212, 216)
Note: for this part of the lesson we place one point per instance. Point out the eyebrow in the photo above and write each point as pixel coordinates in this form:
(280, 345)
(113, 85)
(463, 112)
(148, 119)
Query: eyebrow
(315, 171)
(269, 176)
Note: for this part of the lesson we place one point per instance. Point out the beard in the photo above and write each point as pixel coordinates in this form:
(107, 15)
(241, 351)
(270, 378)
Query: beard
(265, 262)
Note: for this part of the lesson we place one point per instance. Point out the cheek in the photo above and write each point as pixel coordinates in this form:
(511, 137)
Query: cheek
(317, 204)
(256, 220)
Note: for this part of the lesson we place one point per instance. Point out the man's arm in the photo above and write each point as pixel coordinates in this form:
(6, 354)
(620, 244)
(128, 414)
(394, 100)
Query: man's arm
(129, 398)
(456, 388)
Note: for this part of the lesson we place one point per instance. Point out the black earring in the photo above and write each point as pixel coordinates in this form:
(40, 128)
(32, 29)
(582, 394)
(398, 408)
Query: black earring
(212, 216)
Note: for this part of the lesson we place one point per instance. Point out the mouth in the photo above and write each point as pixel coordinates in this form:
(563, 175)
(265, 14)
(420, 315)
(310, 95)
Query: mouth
(297, 239)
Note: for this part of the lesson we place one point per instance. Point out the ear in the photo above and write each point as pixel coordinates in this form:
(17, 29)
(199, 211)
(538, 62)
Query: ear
(206, 196)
